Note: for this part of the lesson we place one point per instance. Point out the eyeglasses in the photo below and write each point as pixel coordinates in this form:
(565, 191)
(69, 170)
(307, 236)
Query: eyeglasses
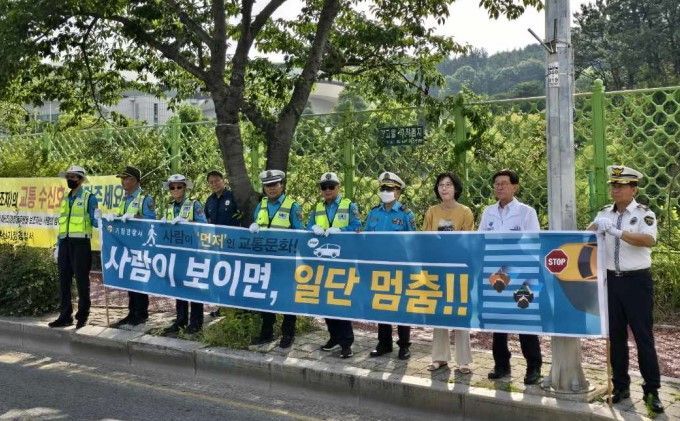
(445, 185)
(388, 188)
(176, 187)
(328, 186)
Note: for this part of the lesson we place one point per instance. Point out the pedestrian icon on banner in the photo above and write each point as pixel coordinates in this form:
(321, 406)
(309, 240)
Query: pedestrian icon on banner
(151, 239)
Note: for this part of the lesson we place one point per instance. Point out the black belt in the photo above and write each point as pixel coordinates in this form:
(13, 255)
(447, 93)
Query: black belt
(627, 273)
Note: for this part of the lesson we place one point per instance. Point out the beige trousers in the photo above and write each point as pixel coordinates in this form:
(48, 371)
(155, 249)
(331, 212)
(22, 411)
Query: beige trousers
(441, 346)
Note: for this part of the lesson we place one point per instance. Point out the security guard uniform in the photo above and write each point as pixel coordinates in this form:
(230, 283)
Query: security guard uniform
(395, 218)
(76, 219)
(283, 213)
(343, 214)
(630, 289)
(222, 210)
(137, 205)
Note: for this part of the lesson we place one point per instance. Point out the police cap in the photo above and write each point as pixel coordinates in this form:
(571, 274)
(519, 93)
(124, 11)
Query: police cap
(178, 178)
(391, 179)
(329, 178)
(130, 171)
(74, 169)
(272, 176)
(618, 174)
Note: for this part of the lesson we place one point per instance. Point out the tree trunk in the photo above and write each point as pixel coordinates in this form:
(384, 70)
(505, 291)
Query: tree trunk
(228, 134)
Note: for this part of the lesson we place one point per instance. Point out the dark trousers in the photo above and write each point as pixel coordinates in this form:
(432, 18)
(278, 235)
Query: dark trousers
(268, 319)
(74, 259)
(138, 305)
(631, 302)
(341, 332)
(531, 349)
(196, 318)
(385, 336)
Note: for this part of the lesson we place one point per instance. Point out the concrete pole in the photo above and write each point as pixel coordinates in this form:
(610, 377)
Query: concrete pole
(566, 374)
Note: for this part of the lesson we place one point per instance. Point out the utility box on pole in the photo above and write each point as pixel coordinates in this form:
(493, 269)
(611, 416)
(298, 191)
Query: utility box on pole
(566, 373)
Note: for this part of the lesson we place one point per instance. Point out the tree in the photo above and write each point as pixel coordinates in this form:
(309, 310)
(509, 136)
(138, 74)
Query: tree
(629, 43)
(77, 51)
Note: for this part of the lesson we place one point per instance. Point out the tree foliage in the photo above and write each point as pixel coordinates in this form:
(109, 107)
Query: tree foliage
(629, 43)
(81, 52)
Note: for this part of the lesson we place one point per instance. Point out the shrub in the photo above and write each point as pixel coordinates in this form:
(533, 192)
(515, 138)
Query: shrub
(238, 327)
(666, 274)
(29, 281)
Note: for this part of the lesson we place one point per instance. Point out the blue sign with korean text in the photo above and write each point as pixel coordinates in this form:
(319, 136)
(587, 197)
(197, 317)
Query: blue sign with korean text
(543, 283)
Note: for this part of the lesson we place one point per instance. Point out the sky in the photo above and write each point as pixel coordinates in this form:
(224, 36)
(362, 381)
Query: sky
(469, 23)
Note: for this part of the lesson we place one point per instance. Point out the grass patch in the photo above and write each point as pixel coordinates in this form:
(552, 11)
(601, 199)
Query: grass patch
(238, 328)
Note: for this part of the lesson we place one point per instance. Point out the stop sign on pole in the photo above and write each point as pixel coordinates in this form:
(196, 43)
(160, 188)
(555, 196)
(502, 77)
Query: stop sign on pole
(556, 261)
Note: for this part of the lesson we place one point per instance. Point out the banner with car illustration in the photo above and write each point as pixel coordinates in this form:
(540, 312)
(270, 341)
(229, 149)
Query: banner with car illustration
(29, 207)
(544, 283)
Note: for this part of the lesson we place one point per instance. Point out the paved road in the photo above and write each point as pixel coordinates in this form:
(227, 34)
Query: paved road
(43, 387)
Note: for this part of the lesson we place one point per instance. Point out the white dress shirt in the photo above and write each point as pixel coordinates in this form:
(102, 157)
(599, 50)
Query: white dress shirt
(515, 216)
(636, 218)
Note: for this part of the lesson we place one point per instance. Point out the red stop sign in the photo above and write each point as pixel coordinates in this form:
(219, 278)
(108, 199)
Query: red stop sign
(556, 261)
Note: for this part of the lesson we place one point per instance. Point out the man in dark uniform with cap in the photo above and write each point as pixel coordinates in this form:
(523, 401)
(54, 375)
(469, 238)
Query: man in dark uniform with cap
(629, 229)
(135, 204)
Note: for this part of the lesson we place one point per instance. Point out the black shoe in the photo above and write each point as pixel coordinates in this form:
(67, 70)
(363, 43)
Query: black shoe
(380, 350)
(135, 321)
(193, 329)
(653, 403)
(286, 341)
(125, 320)
(80, 323)
(532, 377)
(215, 313)
(498, 374)
(61, 323)
(262, 340)
(620, 394)
(404, 353)
(346, 352)
(173, 328)
(330, 345)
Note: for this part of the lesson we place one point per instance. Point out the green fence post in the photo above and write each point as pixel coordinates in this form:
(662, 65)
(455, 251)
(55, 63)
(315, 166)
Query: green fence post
(348, 163)
(175, 145)
(461, 137)
(599, 145)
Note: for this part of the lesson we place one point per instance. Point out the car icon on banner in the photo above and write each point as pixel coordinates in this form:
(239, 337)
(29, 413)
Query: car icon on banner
(327, 250)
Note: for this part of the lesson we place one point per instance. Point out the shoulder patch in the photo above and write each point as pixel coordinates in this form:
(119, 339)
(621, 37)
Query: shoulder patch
(649, 220)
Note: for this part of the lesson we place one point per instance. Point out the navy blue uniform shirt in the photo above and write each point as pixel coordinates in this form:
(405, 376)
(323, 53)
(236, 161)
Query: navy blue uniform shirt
(222, 210)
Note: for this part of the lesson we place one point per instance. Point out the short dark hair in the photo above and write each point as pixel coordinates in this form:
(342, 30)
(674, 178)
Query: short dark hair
(457, 184)
(514, 178)
(214, 173)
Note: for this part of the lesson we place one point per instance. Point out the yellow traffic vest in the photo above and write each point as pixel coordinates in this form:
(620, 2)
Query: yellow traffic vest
(341, 218)
(186, 211)
(281, 218)
(74, 220)
(134, 208)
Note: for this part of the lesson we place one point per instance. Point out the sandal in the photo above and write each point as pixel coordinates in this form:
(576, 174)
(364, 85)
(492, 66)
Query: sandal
(436, 365)
(464, 369)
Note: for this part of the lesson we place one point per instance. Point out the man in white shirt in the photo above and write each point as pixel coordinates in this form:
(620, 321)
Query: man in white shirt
(629, 230)
(509, 214)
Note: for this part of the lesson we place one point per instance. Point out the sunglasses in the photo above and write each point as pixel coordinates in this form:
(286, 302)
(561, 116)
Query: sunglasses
(176, 187)
(328, 186)
(388, 188)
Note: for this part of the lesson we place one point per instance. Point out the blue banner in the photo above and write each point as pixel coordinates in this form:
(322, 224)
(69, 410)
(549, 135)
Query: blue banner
(544, 283)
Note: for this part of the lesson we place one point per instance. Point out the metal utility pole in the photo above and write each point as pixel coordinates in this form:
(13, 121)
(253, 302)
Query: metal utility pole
(566, 373)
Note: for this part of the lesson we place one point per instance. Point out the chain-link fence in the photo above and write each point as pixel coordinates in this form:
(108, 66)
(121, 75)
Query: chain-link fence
(640, 129)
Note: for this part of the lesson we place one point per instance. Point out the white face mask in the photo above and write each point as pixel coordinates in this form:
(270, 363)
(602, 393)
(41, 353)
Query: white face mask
(386, 196)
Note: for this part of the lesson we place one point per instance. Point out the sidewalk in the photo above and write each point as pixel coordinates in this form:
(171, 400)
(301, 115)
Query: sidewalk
(384, 378)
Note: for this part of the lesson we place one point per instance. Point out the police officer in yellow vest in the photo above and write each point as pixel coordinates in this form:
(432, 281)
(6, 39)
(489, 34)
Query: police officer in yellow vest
(77, 215)
(184, 209)
(135, 204)
(276, 210)
(331, 215)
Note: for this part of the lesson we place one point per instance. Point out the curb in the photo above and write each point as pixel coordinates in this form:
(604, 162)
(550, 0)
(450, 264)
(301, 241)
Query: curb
(194, 359)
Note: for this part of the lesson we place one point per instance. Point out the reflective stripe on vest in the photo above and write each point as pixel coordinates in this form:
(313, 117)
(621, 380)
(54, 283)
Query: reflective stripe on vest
(74, 220)
(281, 218)
(186, 211)
(341, 218)
(134, 208)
